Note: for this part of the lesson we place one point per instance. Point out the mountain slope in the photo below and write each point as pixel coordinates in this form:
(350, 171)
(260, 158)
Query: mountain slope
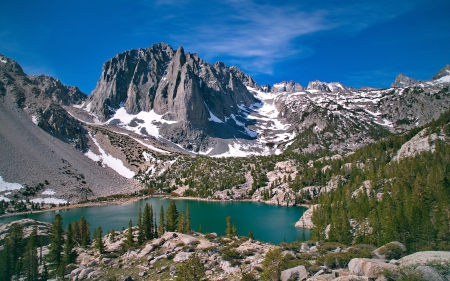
(39, 141)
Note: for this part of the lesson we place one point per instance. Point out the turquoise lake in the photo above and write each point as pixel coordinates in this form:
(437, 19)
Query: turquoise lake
(268, 223)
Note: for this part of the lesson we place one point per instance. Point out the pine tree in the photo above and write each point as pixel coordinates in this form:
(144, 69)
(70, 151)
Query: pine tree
(85, 235)
(272, 265)
(250, 234)
(231, 228)
(129, 242)
(172, 217)
(112, 236)
(181, 223)
(98, 236)
(70, 255)
(148, 222)
(187, 227)
(76, 236)
(56, 241)
(162, 225)
(200, 228)
(141, 234)
(6, 271)
(191, 269)
(15, 238)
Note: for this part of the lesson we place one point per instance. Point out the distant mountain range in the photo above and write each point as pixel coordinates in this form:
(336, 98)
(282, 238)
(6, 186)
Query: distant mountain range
(158, 101)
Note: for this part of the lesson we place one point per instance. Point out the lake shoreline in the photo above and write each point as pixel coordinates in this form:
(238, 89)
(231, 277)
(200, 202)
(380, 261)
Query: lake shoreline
(134, 199)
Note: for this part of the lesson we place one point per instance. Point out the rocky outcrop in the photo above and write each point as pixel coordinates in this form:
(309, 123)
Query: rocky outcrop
(384, 252)
(419, 143)
(403, 81)
(298, 272)
(305, 221)
(424, 258)
(442, 73)
(288, 87)
(371, 268)
(42, 229)
(42, 98)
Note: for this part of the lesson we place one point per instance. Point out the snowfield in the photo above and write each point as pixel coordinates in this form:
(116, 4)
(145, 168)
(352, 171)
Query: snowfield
(4, 186)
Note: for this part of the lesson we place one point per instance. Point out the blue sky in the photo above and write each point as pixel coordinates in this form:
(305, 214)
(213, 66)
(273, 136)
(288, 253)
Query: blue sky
(359, 43)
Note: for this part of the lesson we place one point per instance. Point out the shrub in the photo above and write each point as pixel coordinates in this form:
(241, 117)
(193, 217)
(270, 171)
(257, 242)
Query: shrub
(391, 251)
(329, 246)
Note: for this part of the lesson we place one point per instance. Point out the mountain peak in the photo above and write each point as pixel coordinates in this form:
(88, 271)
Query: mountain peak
(332, 87)
(285, 86)
(442, 73)
(403, 81)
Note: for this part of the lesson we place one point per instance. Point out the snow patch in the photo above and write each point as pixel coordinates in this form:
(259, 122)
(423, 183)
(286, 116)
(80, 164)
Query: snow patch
(213, 117)
(149, 120)
(49, 192)
(4, 61)
(110, 161)
(49, 200)
(4, 186)
(34, 119)
(3, 198)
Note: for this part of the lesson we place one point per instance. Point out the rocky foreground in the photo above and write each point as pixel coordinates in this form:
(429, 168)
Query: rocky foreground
(241, 258)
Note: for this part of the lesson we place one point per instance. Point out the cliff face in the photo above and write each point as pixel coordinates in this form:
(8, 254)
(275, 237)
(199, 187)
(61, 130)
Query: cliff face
(42, 98)
(177, 85)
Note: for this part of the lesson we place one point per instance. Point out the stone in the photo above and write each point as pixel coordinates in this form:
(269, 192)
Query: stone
(377, 255)
(429, 273)
(142, 273)
(84, 273)
(306, 219)
(351, 278)
(226, 266)
(182, 256)
(147, 249)
(94, 274)
(425, 257)
(325, 277)
(298, 271)
(369, 267)
(129, 278)
(162, 269)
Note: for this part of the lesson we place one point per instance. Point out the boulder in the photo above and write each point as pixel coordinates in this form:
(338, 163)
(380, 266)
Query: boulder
(429, 273)
(226, 266)
(369, 267)
(94, 274)
(351, 278)
(380, 253)
(181, 256)
(425, 257)
(298, 271)
(84, 273)
(147, 249)
(325, 277)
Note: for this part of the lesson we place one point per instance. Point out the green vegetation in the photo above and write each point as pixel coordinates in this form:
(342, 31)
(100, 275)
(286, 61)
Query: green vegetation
(384, 200)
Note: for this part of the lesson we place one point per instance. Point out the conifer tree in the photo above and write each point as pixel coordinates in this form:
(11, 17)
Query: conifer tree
(85, 235)
(76, 236)
(231, 228)
(56, 241)
(148, 222)
(112, 236)
(98, 235)
(162, 225)
(69, 254)
(181, 223)
(129, 242)
(250, 234)
(30, 264)
(172, 217)
(187, 227)
(272, 265)
(141, 234)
